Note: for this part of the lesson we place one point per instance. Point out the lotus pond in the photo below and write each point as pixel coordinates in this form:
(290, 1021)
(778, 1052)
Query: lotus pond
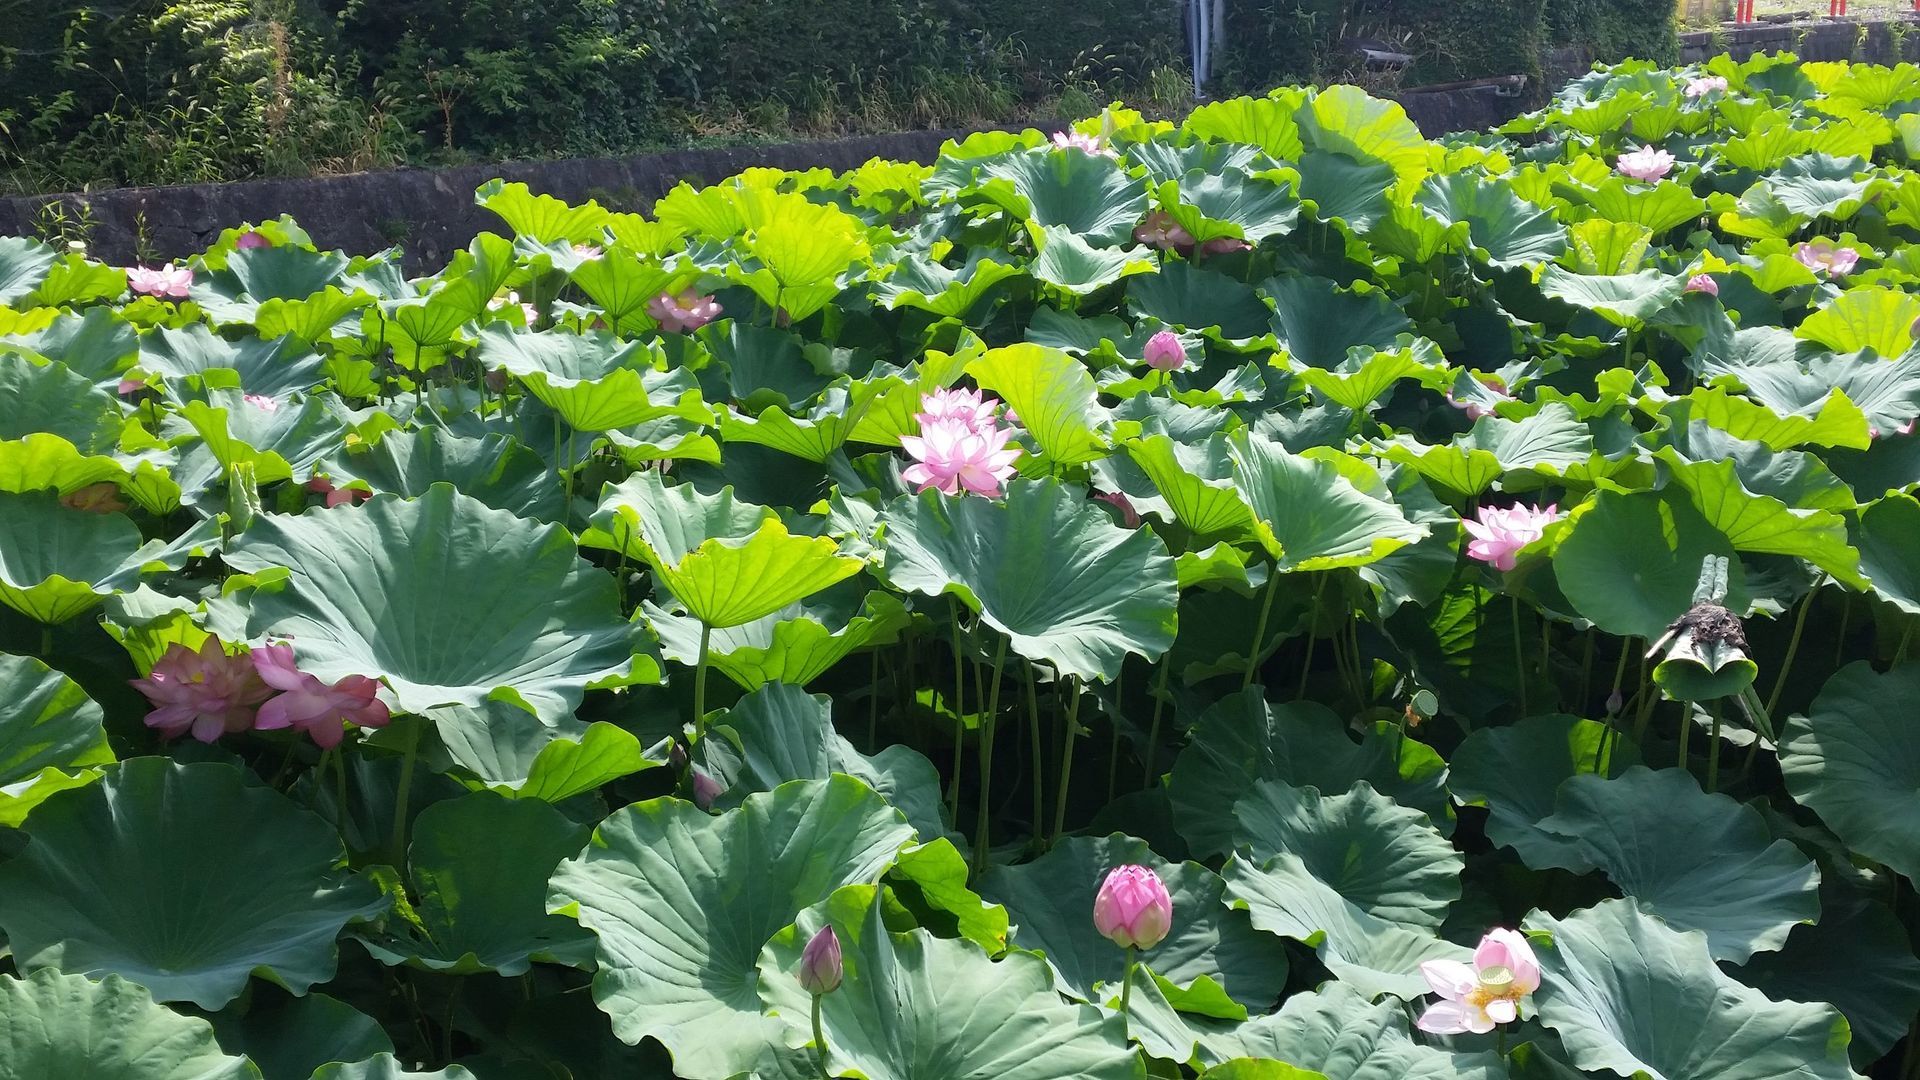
(1266, 597)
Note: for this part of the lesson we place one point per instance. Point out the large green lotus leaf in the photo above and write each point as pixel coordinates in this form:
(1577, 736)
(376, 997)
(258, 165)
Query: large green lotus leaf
(1220, 203)
(119, 877)
(1243, 739)
(279, 439)
(1373, 955)
(595, 381)
(804, 248)
(1365, 375)
(1627, 993)
(920, 282)
(273, 367)
(1317, 321)
(1629, 562)
(1385, 858)
(71, 1026)
(1516, 771)
(1087, 193)
(1170, 161)
(1623, 299)
(50, 733)
(50, 398)
(1858, 959)
(1195, 480)
(1818, 185)
(1658, 207)
(387, 589)
(1888, 554)
(1886, 391)
(1412, 234)
(1198, 299)
(1338, 188)
(1506, 229)
(1645, 830)
(1872, 317)
(780, 733)
(1347, 120)
(1044, 567)
(918, 1007)
(1552, 441)
(1054, 396)
(97, 342)
(663, 524)
(1308, 515)
(73, 281)
(24, 262)
(1762, 523)
(542, 218)
(289, 1037)
(623, 283)
(496, 470)
(1794, 477)
(478, 867)
(766, 366)
(502, 749)
(1854, 759)
(1068, 261)
(1265, 122)
(387, 1067)
(56, 562)
(1340, 1034)
(1610, 247)
(796, 644)
(329, 315)
(681, 902)
(824, 427)
(1835, 422)
(1050, 901)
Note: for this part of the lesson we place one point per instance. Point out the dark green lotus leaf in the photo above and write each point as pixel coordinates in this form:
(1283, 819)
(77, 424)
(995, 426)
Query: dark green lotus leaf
(1339, 188)
(1628, 994)
(1629, 562)
(495, 469)
(1888, 553)
(1385, 858)
(1167, 161)
(387, 1067)
(1886, 391)
(918, 1007)
(1069, 262)
(595, 381)
(1795, 477)
(796, 644)
(1341, 1035)
(1317, 321)
(1623, 299)
(1516, 771)
(497, 746)
(816, 435)
(1858, 959)
(1505, 229)
(385, 590)
(1552, 442)
(1195, 483)
(1050, 901)
(1761, 523)
(24, 262)
(270, 367)
(1308, 514)
(1215, 203)
(1243, 739)
(1347, 120)
(1356, 382)
(1043, 567)
(919, 282)
(118, 878)
(52, 399)
(71, 1026)
(478, 870)
(280, 439)
(50, 736)
(680, 903)
(1086, 193)
(289, 1037)
(1854, 760)
(57, 562)
(1195, 298)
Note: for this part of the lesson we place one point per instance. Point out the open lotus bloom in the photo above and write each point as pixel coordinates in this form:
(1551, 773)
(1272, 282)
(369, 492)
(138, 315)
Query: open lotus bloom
(1825, 258)
(1499, 533)
(1475, 406)
(306, 703)
(1161, 231)
(1133, 909)
(206, 692)
(1481, 997)
(1074, 140)
(971, 409)
(952, 457)
(1704, 85)
(166, 282)
(1645, 163)
(336, 495)
(683, 312)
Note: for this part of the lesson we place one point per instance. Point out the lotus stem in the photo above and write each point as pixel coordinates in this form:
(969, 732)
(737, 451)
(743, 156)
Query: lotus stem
(1713, 751)
(46, 639)
(1519, 652)
(1260, 628)
(1793, 647)
(1113, 749)
(1313, 621)
(1686, 731)
(1066, 761)
(1648, 695)
(986, 760)
(398, 845)
(700, 683)
(1612, 733)
(1586, 672)
(1900, 654)
(820, 1040)
(1126, 982)
(1039, 760)
(873, 702)
(1846, 609)
(1159, 703)
(1546, 651)
(959, 723)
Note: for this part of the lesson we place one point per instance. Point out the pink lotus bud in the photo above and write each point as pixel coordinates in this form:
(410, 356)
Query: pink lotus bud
(1129, 517)
(820, 966)
(1165, 352)
(251, 239)
(705, 790)
(677, 757)
(1703, 283)
(1133, 909)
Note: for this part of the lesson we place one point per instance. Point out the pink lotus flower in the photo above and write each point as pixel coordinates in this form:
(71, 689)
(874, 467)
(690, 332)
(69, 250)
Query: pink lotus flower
(1703, 283)
(820, 963)
(1491, 386)
(1824, 258)
(1090, 144)
(251, 239)
(208, 692)
(262, 402)
(1645, 163)
(1501, 532)
(1165, 352)
(683, 312)
(336, 495)
(970, 409)
(101, 498)
(304, 702)
(129, 386)
(1161, 231)
(1479, 998)
(588, 252)
(706, 790)
(1132, 909)
(1224, 245)
(166, 282)
(1129, 517)
(1704, 85)
(951, 457)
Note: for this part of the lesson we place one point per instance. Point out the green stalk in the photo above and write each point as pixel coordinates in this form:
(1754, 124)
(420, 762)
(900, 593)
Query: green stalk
(700, 684)
(1899, 654)
(820, 1040)
(1519, 653)
(873, 703)
(1159, 702)
(1846, 609)
(1713, 751)
(1126, 983)
(1039, 758)
(1586, 672)
(1066, 761)
(1686, 732)
(1613, 732)
(1546, 650)
(398, 845)
(959, 721)
(1313, 621)
(1362, 671)
(1260, 628)
(1793, 647)
(1648, 695)
(986, 760)
(339, 787)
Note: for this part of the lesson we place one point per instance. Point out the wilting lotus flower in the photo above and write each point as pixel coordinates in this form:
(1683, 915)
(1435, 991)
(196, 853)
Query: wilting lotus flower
(261, 401)
(705, 789)
(1703, 283)
(1479, 998)
(1161, 231)
(1490, 385)
(1704, 85)
(1165, 352)
(1129, 517)
(166, 282)
(1132, 909)
(683, 312)
(1224, 245)
(251, 239)
(207, 692)
(101, 498)
(336, 495)
(1501, 532)
(1645, 163)
(1823, 257)
(306, 703)
(820, 963)
(950, 457)
(970, 409)
(1074, 140)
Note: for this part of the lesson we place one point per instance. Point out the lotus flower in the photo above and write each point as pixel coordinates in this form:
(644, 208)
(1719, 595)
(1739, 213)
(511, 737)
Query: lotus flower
(706, 790)
(166, 282)
(1489, 385)
(1129, 517)
(951, 457)
(262, 402)
(251, 239)
(1132, 909)
(130, 386)
(1224, 245)
(1479, 998)
(820, 964)
(1703, 283)
(1161, 231)
(304, 702)
(1500, 532)
(1704, 85)
(1825, 258)
(970, 409)
(499, 303)
(588, 252)
(101, 498)
(683, 312)
(207, 692)
(1165, 352)
(337, 495)
(1645, 163)
(1090, 144)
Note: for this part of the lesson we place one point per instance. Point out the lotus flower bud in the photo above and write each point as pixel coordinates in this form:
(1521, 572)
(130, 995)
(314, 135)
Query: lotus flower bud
(677, 757)
(251, 239)
(705, 789)
(1615, 702)
(1133, 909)
(820, 968)
(1703, 283)
(1165, 352)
